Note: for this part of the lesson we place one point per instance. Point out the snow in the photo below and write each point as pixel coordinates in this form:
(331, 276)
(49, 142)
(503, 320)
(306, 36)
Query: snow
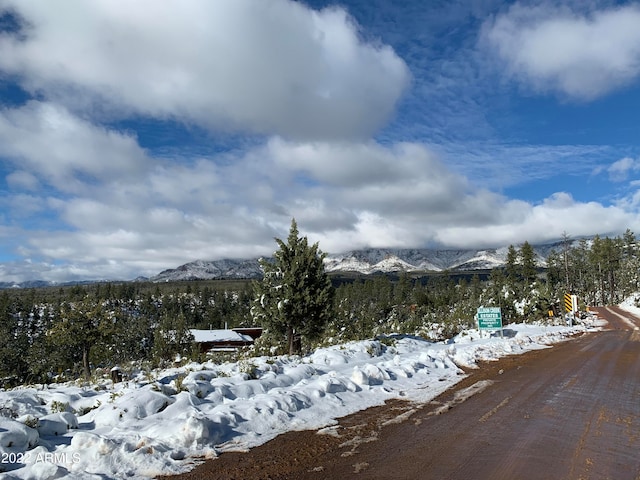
(392, 264)
(346, 264)
(204, 336)
(630, 305)
(399, 260)
(166, 421)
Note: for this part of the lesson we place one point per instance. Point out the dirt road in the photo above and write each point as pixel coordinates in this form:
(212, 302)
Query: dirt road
(569, 412)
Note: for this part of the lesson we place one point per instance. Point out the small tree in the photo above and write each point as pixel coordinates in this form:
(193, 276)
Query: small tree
(13, 365)
(528, 269)
(81, 325)
(172, 338)
(294, 298)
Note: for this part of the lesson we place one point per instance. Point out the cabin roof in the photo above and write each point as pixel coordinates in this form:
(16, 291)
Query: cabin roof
(207, 336)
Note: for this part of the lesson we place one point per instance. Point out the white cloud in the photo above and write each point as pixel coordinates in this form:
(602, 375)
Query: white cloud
(404, 180)
(409, 198)
(544, 222)
(24, 205)
(232, 206)
(47, 141)
(208, 209)
(266, 67)
(619, 171)
(21, 180)
(580, 54)
(84, 200)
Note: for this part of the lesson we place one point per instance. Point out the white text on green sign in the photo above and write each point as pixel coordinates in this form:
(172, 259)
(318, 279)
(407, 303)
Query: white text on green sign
(489, 317)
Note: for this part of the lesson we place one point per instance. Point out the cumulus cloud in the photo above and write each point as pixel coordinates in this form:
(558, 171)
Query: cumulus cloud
(99, 204)
(24, 205)
(22, 180)
(619, 171)
(405, 182)
(409, 198)
(84, 199)
(582, 54)
(266, 67)
(544, 222)
(209, 209)
(47, 141)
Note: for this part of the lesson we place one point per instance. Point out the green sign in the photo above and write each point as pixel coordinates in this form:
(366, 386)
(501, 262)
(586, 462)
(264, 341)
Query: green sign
(489, 318)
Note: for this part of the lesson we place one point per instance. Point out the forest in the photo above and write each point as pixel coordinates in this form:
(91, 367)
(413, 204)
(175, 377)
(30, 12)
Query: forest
(55, 334)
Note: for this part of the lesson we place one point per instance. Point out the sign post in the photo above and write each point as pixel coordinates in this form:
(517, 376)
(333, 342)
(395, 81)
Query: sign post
(571, 306)
(489, 318)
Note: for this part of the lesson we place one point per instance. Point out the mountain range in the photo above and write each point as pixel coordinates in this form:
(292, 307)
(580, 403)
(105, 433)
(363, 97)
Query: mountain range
(368, 261)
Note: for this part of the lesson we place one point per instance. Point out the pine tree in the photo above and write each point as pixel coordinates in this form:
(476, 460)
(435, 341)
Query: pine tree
(630, 264)
(566, 250)
(583, 278)
(172, 338)
(81, 325)
(511, 269)
(555, 272)
(13, 367)
(605, 256)
(528, 269)
(294, 298)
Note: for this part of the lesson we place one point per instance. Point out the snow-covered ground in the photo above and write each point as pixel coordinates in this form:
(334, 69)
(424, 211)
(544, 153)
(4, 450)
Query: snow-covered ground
(630, 306)
(145, 426)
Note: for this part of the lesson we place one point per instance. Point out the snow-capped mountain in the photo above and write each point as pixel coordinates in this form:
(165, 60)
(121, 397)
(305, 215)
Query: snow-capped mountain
(408, 260)
(369, 261)
(207, 270)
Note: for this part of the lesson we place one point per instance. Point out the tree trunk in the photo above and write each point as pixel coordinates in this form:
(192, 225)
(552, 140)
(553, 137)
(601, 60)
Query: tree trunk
(85, 361)
(290, 335)
(294, 341)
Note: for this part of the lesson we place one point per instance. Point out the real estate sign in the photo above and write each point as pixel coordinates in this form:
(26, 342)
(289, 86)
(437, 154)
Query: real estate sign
(489, 318)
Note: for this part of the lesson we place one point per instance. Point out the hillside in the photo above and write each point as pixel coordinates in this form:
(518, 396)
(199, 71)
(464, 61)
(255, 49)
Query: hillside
(369, 261)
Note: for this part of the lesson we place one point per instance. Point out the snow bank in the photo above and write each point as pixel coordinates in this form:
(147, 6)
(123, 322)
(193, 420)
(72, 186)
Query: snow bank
(140, 428)
(630, 305)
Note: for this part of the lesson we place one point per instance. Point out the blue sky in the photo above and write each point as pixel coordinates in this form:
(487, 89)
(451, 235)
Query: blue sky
(139, 136)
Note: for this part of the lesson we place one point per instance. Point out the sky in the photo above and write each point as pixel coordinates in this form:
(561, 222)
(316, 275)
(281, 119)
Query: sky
(157, 423)
(139, 136)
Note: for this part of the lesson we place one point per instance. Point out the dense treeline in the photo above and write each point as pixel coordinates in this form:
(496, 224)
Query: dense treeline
(64, 333)
(600, 271)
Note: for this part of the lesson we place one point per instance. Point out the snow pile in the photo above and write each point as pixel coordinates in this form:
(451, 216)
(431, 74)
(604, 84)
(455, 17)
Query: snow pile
(145, 427)
(631, 304)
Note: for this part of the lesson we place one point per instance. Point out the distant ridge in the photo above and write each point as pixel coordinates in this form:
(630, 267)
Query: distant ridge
(44, 283)
(368, 261)
(208, 270)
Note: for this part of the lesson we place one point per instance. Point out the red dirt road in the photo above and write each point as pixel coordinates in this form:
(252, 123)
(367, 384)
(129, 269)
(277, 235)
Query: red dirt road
(568, 412)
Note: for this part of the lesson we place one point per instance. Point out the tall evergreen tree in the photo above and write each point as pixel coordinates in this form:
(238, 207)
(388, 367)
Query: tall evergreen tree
(81, 325)
(294, 298)
(630, 264)
(605, 257)
(528, 269)
(172, 337)
(13, 366)
(566, 249)
(555, 271)
(582, 272)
